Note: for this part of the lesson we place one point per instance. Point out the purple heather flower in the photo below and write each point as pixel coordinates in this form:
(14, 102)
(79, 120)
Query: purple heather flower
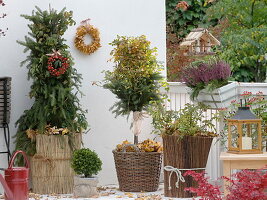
(205, 72)
(221, 70)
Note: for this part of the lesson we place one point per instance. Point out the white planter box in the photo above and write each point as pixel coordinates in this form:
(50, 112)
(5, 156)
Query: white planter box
(221, 97)
(253, 87)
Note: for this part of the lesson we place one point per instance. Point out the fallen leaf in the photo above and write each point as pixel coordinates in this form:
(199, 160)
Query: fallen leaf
(128, 194)
(150, 197)
(95, 196)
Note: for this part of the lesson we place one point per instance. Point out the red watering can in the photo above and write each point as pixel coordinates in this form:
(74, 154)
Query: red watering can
(16, 180)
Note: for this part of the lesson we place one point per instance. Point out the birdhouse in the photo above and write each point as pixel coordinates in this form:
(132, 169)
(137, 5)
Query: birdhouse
(244, 132)
(199, 41)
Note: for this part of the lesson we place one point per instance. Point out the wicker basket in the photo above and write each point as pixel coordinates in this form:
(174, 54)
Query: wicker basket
(138, 171)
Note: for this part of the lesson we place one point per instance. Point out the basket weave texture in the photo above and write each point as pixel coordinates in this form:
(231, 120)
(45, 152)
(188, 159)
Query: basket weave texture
(138, 171)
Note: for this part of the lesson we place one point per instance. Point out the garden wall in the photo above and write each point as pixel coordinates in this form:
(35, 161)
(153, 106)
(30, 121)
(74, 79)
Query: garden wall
(111, 17)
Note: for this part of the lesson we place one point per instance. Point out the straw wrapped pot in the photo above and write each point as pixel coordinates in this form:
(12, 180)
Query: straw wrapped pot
(186, 153)
(138, 171)
(51, 170)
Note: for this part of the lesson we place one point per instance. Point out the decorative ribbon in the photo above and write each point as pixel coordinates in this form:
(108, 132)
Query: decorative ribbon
(55, 53)
(86, 24)
(138, 118)
(178, 174)
(49, 161)
(86, 21)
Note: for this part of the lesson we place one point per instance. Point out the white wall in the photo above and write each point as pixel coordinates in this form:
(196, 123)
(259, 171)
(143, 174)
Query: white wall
(111, 17)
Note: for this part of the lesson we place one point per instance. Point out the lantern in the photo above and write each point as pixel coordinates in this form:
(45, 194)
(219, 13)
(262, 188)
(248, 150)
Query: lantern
(244, 132)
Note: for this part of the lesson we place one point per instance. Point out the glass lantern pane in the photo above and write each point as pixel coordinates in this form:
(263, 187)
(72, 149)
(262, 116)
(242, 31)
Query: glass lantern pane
(246, 136)
(234, 136)
(255, 136)
(250, 136)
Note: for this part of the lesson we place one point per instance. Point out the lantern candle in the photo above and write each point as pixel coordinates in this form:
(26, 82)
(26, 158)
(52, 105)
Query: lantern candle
(246, 143)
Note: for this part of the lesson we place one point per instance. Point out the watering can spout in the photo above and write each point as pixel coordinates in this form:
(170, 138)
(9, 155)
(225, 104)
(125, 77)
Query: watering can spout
(8, 192)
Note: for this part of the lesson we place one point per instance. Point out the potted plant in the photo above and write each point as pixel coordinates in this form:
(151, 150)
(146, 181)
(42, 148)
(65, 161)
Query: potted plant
(187, 137)
(209, 84)
(136, 82)
(51, 128)
(85, 163)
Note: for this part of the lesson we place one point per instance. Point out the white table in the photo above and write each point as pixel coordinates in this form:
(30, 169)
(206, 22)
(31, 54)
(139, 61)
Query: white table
(241, 161)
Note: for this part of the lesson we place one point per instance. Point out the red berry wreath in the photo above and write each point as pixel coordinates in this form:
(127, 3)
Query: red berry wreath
(57, 65)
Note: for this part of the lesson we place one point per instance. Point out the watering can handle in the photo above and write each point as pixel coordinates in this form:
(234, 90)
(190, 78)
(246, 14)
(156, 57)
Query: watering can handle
(14, 156)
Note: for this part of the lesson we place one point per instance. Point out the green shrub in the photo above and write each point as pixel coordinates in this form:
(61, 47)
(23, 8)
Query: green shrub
(243, 38)
(245, 51)
(189, 121)
(86, 162)
(182, 20)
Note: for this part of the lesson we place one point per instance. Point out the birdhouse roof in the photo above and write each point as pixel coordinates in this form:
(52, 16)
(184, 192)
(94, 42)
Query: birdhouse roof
(199, 33)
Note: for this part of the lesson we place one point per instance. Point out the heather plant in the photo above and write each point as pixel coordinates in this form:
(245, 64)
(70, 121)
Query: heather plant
(205, 75)
(244, 185)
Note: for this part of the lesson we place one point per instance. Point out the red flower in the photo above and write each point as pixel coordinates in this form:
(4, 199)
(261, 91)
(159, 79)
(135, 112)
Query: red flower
(233, 101)
(246, 93)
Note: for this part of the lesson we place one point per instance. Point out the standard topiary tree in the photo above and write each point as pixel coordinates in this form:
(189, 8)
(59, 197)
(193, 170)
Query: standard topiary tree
(86, 162)
(135, 78)
(55, 83)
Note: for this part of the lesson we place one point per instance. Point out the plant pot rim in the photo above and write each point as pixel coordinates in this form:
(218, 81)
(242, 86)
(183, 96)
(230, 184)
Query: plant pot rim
(86, 178)
(191, 136)
(114, 151)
